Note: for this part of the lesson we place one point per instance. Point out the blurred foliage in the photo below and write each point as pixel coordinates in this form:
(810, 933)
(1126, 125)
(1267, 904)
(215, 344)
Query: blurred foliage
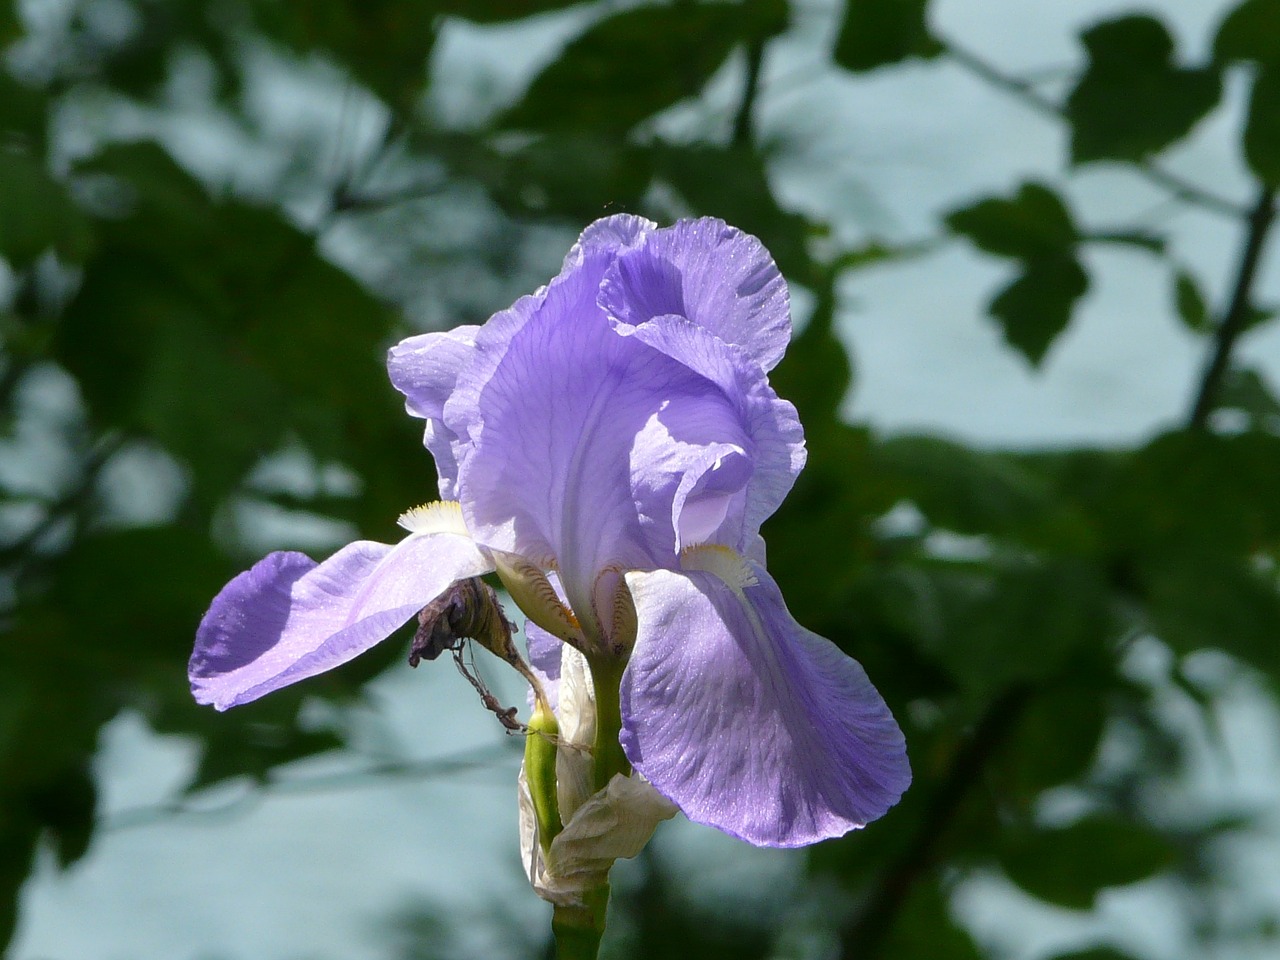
(1132, 101)
(217, 323)
(1036, 229)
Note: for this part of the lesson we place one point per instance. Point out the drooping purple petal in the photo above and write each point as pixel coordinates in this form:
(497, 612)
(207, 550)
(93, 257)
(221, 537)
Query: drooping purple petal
(288, 618)
(749, 722)
(774, 443)
(425, 369)
(711, 273)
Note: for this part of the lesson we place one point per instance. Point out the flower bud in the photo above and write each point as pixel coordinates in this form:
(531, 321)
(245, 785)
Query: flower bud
(533, 593)
(540, 772)
(615, 612)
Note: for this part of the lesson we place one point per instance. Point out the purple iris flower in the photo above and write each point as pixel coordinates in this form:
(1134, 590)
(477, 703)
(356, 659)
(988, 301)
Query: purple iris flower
(616, 430)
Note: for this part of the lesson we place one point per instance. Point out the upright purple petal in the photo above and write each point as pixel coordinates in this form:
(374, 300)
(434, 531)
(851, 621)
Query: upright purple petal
(749, 722)
(561, 411)
(711, 273)
(425, 369)
(609, 236)
(288, 618)
(774, 444)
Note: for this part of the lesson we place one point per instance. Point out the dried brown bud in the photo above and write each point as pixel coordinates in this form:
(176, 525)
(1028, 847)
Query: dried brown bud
(467, 610)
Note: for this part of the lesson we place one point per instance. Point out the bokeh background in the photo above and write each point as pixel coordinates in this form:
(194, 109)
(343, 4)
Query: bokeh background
(1027, 245)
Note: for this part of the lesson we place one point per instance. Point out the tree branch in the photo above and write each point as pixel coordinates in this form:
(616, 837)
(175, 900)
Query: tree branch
(1173, 184)
(1235, 319)
(20, 550)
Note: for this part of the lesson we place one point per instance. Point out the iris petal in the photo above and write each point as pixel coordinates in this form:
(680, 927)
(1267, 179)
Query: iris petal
(766, 427)
(573, 462)
(288, 618)
(711, 273)
(544, 656)
(749, 722)
(425, 369)
(609, 236)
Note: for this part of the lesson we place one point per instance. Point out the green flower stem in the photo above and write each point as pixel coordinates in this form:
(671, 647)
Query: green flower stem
(606, 677)
(578, 929)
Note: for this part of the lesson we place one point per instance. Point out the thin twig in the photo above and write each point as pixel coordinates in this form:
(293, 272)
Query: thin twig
(1170, 182)
(351, 202)
(863, 938)
(1234, 320)
(69, 503)
(744, 120)
(191, 808)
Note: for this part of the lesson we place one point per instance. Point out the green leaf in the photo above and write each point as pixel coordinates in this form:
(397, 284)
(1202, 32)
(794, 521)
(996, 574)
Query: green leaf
(1199, 602)
(10, 28)
(815, 373)
(628, 67)
(880, 32)
(1132, 101)
(17, 846)
(214, 346)
(139, 341)
(1035, 223)
(1069, 714)
(974, 619)
(151, 183)
(107, 583)
(1195, 493)
(925, 927)
(1250, 32)
(579, 175)
(1257, 315)
(1037, 305)
(66, 808)
(1096, 953)
(22, 110)
(36, 214)
(385, 43)
(1247, 391)
(499, 11)
(964, 490)
(1037, 228)
(1262, 129)
(254, 748)
(1190, 303)
(1072, 865)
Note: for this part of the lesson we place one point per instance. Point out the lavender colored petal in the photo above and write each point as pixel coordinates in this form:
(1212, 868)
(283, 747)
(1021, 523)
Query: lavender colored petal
(715, 275)
(749, 722)
(561, 469)
(545, 657)
(609, 236)
(425, 369)
(774, 441)
(690, 464)
(288, 618)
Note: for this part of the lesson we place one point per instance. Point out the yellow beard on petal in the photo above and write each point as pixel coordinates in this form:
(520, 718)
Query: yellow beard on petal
(438, 516)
